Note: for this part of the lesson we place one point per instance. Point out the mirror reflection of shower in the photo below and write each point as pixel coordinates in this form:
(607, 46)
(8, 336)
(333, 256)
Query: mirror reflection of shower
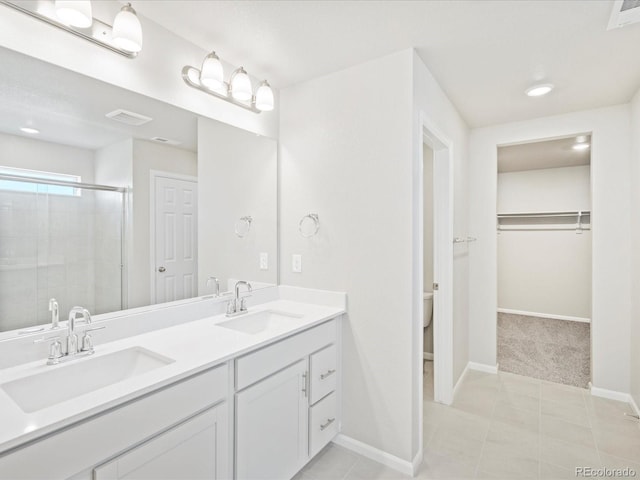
(60, 239)
(428, 271)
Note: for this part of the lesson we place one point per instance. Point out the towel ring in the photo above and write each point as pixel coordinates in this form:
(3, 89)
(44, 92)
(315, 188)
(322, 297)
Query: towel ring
(243, 225)
(309, 225)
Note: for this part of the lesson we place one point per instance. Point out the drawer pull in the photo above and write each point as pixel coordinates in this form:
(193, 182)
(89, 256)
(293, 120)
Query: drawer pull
(328, 374)
(329, 422)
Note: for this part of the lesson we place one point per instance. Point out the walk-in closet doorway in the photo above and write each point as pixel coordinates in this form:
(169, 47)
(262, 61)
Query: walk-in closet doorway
(544, 259)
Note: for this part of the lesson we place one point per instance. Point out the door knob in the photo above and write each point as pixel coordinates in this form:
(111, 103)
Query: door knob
(161, 269)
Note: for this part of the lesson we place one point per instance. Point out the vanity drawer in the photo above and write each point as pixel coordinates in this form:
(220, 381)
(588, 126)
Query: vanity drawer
(323, 423)
(323, 373)
(270, 359)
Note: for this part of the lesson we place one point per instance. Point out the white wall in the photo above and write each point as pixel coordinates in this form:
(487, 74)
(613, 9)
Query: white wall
(156, 72)
(354, 161)
(114, 166)
(149, 156)
(348, 158)
(635, 252)
(545, 190)
(239, 177)
(33, 154)
(545, 271)
(611, 304)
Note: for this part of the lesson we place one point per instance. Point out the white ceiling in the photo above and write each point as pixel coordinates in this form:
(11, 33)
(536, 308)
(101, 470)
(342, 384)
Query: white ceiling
(69, 108)
(544, 154)
(484, 53)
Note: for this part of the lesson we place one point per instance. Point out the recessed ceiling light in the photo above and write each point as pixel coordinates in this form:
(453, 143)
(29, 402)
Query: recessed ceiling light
(580, 146)
(539, 90)
(29, 130)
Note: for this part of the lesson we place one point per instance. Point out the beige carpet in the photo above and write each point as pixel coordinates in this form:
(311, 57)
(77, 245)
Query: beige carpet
(554, 350)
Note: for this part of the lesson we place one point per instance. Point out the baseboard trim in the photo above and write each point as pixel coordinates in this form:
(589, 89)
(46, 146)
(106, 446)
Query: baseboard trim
(613, 395)
(545, 315)
(427, 356)
(377, 455)
(417, 461)
(459, 382)
(634, 405)
(481, 367)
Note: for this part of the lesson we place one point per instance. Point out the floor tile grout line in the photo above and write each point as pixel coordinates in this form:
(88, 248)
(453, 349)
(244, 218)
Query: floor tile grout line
(540, 432)
(486, 435)
(351, 468)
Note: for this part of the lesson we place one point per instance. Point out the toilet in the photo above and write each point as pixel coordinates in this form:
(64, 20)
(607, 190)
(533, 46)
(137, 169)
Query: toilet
(428, 309)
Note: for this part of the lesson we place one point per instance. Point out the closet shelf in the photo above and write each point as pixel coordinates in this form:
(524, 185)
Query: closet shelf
(577, 220)
(574, 213)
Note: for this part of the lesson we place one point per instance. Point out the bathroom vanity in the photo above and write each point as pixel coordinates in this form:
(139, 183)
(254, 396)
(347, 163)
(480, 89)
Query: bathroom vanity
(248, 397)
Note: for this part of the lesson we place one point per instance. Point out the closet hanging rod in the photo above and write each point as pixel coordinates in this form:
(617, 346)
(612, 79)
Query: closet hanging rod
(541, 229)
(545, 214)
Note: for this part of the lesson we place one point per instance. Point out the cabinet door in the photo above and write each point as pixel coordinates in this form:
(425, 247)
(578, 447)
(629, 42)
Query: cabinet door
(271, 428)
(195, 449)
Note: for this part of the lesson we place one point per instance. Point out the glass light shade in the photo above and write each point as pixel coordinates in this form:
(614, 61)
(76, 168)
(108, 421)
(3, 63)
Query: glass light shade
(127, 31)
(212, 73)
(264, 97)
(241, 88)
(76, 13)
(539, 90)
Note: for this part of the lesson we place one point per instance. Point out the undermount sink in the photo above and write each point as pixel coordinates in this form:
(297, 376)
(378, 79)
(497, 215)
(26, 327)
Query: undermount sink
(70, 380)
(258, 322)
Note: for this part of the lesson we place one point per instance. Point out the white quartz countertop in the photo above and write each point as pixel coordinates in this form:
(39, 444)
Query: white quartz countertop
(194, 346)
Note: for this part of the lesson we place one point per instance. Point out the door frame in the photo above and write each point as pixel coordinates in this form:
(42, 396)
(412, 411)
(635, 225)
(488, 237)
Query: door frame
(153, 175)
(442, 261)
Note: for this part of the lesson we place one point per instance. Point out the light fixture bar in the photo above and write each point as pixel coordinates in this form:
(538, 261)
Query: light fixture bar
(99, 33)
(191, 76)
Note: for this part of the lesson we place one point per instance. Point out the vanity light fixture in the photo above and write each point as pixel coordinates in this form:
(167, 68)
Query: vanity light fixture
(75, 17)
(76, 13)
(239, 90)
(212, 72)
(539, 89)
(127, 31)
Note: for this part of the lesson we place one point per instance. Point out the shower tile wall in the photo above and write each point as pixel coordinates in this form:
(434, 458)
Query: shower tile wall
(51, 246)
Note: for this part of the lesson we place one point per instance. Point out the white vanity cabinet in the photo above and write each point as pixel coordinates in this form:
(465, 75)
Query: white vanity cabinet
(271, 426)
(151, 434)
(194, 449)
(280, 422)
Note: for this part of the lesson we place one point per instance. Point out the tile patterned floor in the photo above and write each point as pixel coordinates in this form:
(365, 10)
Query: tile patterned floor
(545, 348)
(505, 426)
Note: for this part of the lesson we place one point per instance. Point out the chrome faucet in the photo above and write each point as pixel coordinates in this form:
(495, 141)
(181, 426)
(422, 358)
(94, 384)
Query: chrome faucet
(214, 279)
(237, 305)
(55, 314)
(56, 355)
(72, 338)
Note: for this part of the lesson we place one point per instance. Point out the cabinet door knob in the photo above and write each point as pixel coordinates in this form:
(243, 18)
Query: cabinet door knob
(162, 269)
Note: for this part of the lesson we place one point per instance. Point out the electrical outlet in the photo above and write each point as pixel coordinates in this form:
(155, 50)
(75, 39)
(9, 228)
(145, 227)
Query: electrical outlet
(264, 261)
(296, 263)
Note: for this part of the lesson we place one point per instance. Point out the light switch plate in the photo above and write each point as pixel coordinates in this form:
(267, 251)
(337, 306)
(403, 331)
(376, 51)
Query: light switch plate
(264, 261)
(296, 263)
